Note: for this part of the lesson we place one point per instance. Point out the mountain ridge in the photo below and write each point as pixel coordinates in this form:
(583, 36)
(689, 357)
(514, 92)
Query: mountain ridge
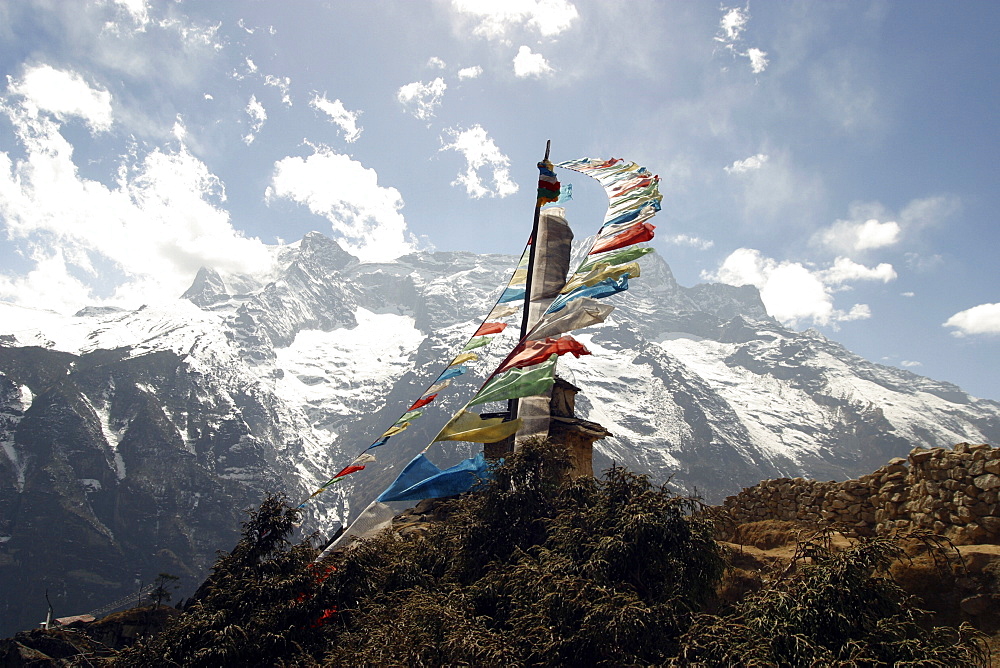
(184, 413)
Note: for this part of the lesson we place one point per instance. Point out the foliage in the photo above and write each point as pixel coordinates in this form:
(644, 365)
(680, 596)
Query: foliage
(839, 610)
(161, 592)
(260, 606)
(536, 569)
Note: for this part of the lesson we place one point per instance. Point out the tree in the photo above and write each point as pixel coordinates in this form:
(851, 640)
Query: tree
(161, 592)
(259, 607)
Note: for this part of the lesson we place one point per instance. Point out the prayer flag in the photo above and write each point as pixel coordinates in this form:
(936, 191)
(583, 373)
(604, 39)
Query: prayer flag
(605, 288)
(517, 383)
(491, 328)
(419, 403)
(466, 426)
(633, 235)
(536, 352)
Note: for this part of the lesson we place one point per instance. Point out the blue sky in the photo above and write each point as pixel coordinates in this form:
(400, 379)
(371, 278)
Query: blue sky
(839, 156)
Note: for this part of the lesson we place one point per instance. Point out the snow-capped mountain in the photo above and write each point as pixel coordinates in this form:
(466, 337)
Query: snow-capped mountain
(133, 440)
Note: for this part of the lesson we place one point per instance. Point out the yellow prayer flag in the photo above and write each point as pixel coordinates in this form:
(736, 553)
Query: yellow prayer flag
(466, 426)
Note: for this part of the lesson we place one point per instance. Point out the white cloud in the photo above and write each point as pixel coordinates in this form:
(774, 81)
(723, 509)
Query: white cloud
(982, 319)
(794, 293)
(747, 164)
(731, 28)
(481, 153)
(436, 62)
(339, 116)
(138, 10)
(694, 242)
(732, 25)
(470, 72)
(138, 241)
(758, 60)
(907, 294)
(255, 110)
(364, 215)
(496, 19)
(846, 236)
(64, 95)
(845, 270)
(528, 64)
(49, 283)
(909, 363)
(283, 84)
(422, 98)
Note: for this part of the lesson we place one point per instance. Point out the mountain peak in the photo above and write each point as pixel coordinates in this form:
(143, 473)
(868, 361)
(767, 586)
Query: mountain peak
(317, 247)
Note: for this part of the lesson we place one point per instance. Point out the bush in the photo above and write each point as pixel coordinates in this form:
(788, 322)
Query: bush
(261, 605)
(536, 569)
(840, 610)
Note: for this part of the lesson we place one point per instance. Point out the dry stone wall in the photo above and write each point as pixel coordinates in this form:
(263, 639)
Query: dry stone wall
(951, 491)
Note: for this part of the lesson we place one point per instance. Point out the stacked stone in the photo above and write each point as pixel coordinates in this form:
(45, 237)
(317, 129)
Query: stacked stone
(848, 505)
(891, 488)
(798, 499)
(953, 492)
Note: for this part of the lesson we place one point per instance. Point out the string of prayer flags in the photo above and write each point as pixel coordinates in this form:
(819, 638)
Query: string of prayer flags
(516, 383)
(466, 426)
(513, 291)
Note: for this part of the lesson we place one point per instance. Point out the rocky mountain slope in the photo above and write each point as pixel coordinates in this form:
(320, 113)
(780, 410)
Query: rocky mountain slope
(133, 440)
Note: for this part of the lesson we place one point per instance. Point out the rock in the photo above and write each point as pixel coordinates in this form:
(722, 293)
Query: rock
(976, 605)
(987, 481)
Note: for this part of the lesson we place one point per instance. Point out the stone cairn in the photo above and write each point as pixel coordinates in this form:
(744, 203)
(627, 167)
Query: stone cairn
(952, 492)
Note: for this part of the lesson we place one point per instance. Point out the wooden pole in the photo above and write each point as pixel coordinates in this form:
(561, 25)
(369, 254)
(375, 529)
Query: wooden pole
(512, 403)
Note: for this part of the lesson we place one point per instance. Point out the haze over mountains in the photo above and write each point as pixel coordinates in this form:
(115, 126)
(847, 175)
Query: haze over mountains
(133, 440)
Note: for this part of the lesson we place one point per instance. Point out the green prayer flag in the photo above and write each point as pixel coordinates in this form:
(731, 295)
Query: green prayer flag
(517, 383)
(477, 342)
(620, 257)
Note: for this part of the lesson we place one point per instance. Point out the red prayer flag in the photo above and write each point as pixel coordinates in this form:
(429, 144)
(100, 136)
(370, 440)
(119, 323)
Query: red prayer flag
(490, 328)
(536, 352)
(632, 235)
(354, 468)
(421, 402)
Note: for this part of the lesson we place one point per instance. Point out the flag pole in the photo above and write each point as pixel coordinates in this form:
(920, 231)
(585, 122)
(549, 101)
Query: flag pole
(512, 403)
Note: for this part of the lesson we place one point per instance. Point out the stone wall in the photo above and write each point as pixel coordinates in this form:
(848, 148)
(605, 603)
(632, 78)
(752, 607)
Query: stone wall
(952, 492)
